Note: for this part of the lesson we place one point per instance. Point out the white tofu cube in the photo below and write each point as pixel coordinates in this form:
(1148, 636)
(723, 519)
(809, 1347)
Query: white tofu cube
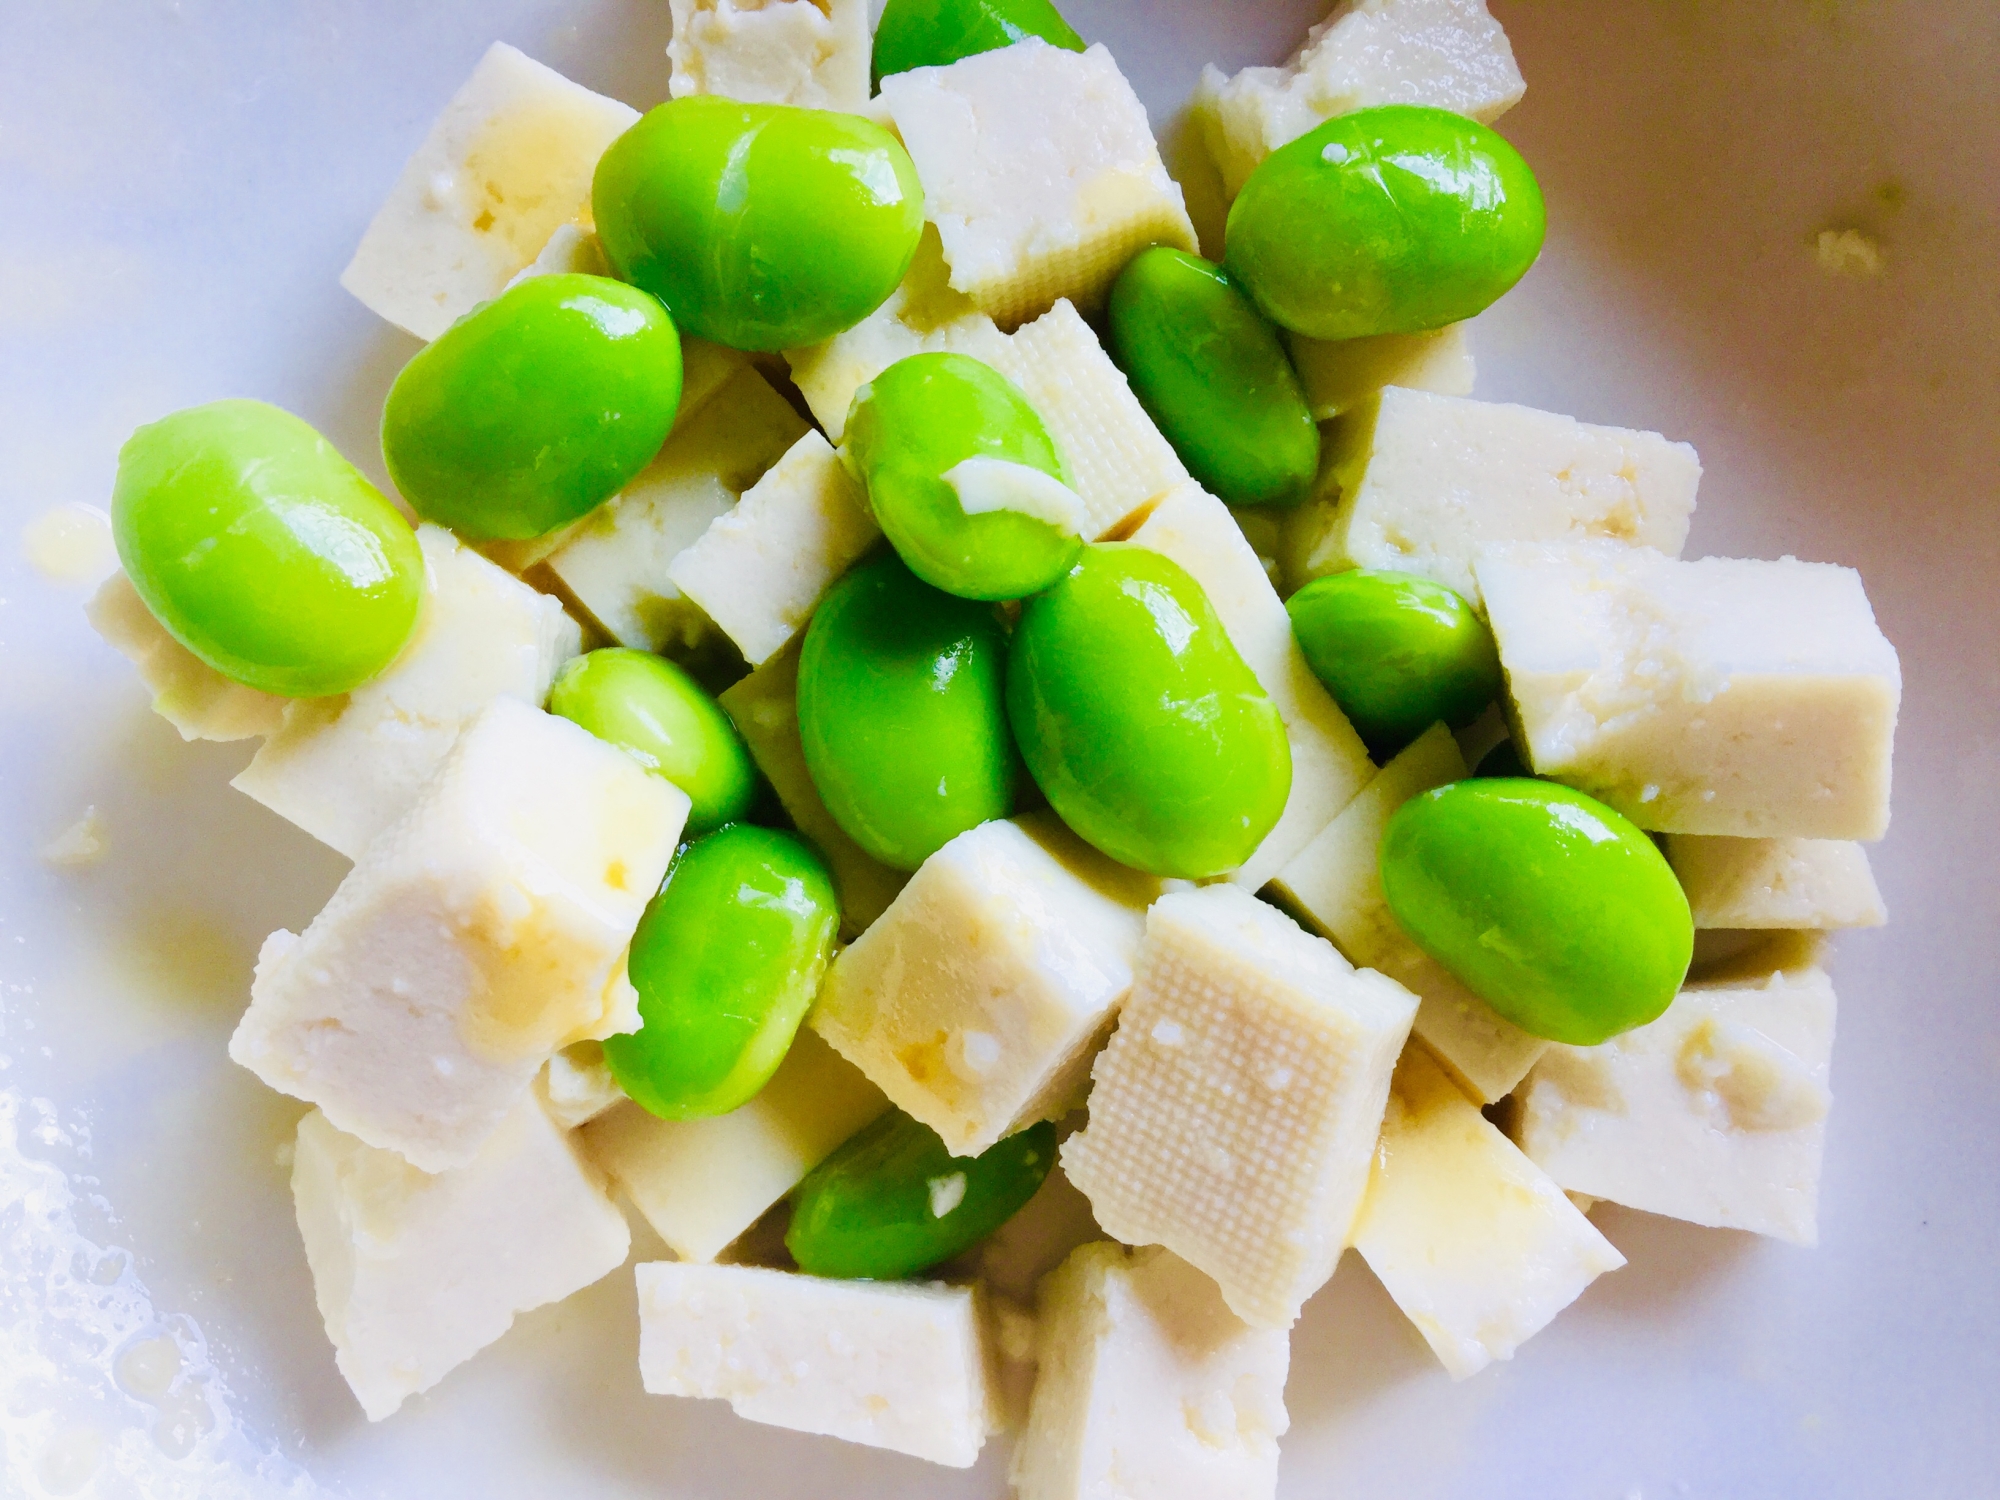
(507, 164)
(572, 250)
(1723, 696)
(812, 53)
(1342, 374)
(1149, 1386)
(479, 933)
(977, 998)
(188, 693)
(1767, 883)
(1234, 1113)
(345, 768)
(1476, 1244)
(1040, 172)
(416, 1273)
(577, 1085)
(897, 1365)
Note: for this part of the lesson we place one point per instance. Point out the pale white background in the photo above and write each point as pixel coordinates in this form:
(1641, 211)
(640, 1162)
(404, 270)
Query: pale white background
(180, 185)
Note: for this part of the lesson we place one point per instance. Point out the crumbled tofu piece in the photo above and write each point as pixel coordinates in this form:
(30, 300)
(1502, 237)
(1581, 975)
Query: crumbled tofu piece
(1342, 374)
(811, 53)
(1335, 882)
(1234, 1113)
(417, 1273)
(1149, 1386)
(345, 768)
(1762, 883)
(897, 1365)
(507, 164)
(188, 693)
(1714, 1113)
(1478, 1247)
(82, 844)
(1449, 54)
(477, 934)
(976, 1000)
(1329, 762)
(578, 1086)
(702, 1183)
(1040, 172)
(1723, 696)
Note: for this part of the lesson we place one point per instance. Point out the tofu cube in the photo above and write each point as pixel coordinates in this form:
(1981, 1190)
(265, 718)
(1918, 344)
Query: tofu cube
(1234, 1113)
(506, 165)
(416, 1273)
(976, 1000)
(188, 693)
(1766, 883)
(1723, 696)
(577, 1085)
(1040, 172)
(897, 1365)
(811, 53)
(1149, 1386)
(1342, 374)
(476, 935)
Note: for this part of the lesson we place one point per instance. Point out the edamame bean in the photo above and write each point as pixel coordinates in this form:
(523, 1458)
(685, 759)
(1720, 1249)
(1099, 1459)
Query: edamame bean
(726, 960)
(930, 33)
(1550, 906)
(964, 479)
(760, 226)
(893, 1201)
(656, 712)
(902, 715)
(263, 551)
(1151, 738)
(1211, 373)
(1397, 652)
(534, 408)
(1384, 220)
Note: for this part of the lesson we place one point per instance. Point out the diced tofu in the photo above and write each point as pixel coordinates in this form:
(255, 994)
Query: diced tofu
(1449, 54)
(1478, 1247)
(571, 251)
(1329, 762)
(417, 1273)
(897, 1365)
(1149, 1386)
(615, 563)
(345, 768)
(1723, 696)
(1812, 883)
(702, 1183)
(812, 53)
(507, 164)
(578, 1086)
(1335, 883)
(187, 692)
(477, 934)
(1234, 1113)
(1340, 375)
(976, 1000)
(1040, 172)
(1715, 1113)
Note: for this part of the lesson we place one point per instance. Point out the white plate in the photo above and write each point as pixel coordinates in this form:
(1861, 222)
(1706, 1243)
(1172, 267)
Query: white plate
(179, 186)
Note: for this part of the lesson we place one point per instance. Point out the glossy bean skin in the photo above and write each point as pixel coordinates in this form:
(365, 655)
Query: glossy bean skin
(1558, 912)
(902, 713)
(535, 408)
(1150, 737)
(760, 226)
(931, 33)
(655, 712)
(1385, 220)
(869, 1211)
(263, 551)
(1211, 373)
(726, 960)
(1397, 652)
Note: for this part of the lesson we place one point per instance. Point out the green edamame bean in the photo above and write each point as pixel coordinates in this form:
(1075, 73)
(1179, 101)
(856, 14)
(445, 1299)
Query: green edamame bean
(902, 715)
(652, 709)
(1553, 908)
(1385, 220)
(760, 226)
(263, 551)
(1503, 760)
(1002, 526)
(1151, 738)
(1211, 373)
(893, 1201)
(534, 408)
(931, 33)
(1397, 652)
(726, 960)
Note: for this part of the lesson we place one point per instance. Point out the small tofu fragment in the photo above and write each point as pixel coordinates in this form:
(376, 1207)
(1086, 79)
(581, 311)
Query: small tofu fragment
(1765, 883)
(476, 935)
(1234, 1114)
(416, 1273)
(1722, 696)
(577, 1085)
(1341, 375)
(897, 1365)
(1149, 1386)
(188, 693)
(811, 53)
(571, 251)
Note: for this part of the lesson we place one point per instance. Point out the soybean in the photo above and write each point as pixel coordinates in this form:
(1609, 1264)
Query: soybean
(931, 33)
